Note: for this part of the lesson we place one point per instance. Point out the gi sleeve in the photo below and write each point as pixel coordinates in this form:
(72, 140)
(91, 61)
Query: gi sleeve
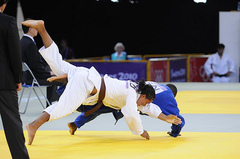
(207, 66)
(131, 114)
(151, 109)
(231, 65)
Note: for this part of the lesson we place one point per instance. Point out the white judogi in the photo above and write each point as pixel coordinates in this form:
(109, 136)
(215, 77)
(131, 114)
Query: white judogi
(81, 81)
(220, 66)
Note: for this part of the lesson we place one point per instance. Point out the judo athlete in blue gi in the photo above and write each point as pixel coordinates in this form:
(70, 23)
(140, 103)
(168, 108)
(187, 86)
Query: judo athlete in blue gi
(165, 100)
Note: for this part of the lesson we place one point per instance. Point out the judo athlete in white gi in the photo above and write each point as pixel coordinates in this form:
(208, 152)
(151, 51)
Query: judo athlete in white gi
(84, 87)
(220, 66)
(163, 106)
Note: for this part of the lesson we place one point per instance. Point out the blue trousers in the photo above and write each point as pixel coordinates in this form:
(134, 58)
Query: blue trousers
(173, 109)
(81, 119)
(176, 129)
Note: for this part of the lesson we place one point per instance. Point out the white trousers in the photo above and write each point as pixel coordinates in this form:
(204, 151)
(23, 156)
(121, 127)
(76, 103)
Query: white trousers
(216, 79)
(77, 89)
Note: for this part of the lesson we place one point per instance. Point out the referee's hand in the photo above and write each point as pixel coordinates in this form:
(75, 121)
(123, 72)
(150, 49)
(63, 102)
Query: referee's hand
(19, 86)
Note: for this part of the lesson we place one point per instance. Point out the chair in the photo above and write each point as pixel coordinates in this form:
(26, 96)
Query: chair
(32, 87)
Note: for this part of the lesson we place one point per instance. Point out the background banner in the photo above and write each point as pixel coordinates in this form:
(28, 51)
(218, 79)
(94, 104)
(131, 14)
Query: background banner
(159, 71)
(197, 73)
(178, 70)
(120, 70)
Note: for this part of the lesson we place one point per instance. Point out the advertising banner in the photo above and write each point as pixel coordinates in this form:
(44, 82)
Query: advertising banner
(120, 70)
(197, 73)
(159, 71)
(178, 70)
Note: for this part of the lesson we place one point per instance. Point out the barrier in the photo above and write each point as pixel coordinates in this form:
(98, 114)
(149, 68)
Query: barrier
(129, 57)
(167, 69)
(134, 57)
(123, 70)
(189, 68)
(106, 58)
(147, 57)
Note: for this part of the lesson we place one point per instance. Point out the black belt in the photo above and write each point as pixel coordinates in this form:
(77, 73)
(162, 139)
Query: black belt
(224, 75)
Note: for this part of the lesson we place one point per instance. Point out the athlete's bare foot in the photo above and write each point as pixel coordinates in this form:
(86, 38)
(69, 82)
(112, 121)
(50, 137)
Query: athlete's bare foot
(72, 128)
(36, 24)
(40, 27)
(31, 133)
(51, 79)
(33, 126)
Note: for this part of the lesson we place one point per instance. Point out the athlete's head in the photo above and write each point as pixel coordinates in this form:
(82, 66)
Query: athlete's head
(173, 89)
(147, 93)
(220, 48)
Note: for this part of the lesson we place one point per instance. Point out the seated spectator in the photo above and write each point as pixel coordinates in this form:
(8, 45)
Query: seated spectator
(220, 65)
(120, 54)
(34, 60)
(66, 52)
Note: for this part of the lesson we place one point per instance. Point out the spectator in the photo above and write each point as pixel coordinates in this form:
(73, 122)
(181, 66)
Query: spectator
(66, 52)
(10, 83)
(220, 65)
(34, 60)
(120, 54)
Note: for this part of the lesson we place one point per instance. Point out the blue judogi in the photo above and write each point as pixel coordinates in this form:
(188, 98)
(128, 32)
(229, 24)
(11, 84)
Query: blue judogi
(164, 99)
(167, 103)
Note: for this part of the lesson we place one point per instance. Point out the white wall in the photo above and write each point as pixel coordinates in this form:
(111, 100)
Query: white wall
(20, 19)
(229, 35)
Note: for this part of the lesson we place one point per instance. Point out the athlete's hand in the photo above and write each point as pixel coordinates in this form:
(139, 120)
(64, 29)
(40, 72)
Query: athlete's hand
(145, 135)
(173, 119)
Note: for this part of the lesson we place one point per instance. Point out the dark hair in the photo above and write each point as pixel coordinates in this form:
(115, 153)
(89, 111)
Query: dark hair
(220, 46)
(173, 89)
(3, 2)
(146, 89)
(26, 28)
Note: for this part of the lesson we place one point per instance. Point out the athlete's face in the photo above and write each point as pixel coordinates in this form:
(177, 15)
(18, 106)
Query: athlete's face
(220, 51)
(142, 100)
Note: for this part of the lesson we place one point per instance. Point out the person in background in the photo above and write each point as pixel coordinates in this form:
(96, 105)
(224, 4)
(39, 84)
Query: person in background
(219, 65)
(10, 83)
(120, 54)
(35, 62)
(66, 52)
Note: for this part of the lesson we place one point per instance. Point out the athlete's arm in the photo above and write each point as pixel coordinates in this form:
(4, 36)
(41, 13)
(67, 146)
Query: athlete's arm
(154, 111)
(170, 118)
(132, 116)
